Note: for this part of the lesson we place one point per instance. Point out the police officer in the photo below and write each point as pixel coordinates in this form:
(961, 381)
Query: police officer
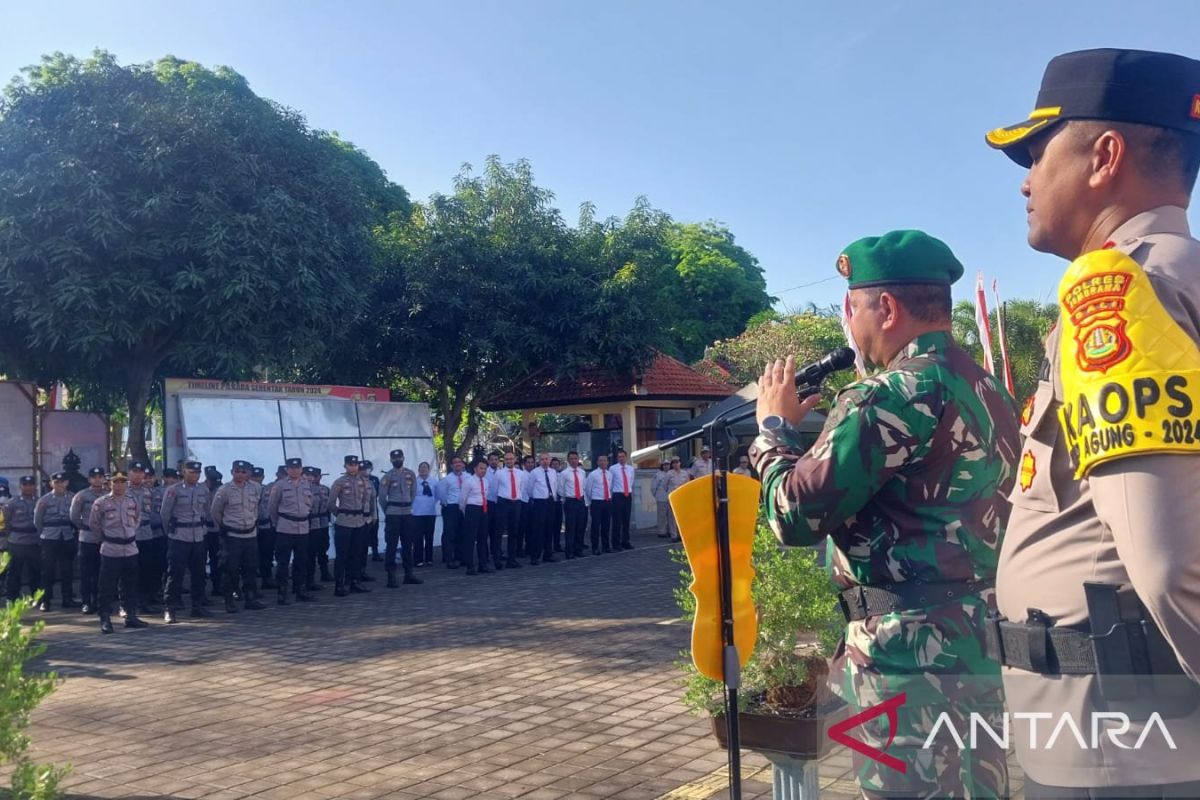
(212, 534)
(291, 502)
(1100, 568)
(907, 479)
(89, 540)
(24, 551)
(142, 492)
(155, 550)
(235, 513)
(266, 534)
(185, 506)
(369, 536)
(53, 520)
(117, 517)
(397, 488)
(347, 503)
(318, 531)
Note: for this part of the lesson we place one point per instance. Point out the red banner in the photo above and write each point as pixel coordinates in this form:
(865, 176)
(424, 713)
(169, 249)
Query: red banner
(362, 394)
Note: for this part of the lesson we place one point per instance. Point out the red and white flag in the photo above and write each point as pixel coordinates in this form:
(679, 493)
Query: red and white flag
(981, 322)
(860, 366)
(1008, 380)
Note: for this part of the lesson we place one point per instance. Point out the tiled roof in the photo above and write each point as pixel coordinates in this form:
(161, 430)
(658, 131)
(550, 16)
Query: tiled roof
(665, 379)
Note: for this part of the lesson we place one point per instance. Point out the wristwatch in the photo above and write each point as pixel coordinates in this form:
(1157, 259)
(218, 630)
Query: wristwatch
(774, 423)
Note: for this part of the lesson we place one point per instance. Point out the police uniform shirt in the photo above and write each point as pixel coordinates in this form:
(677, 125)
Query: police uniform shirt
(700, 468)
(235, 509)
(20, 513)
(566, 483)
(614, 476)
(543, 484)
(264, 501)
(183, 511)
(318, 517)
(425, 502)
(675, 478)
(598, 485)
(156, 497)
(658, 486)
(506, 480)
(52, 516)
(396, 489)
(118, 520)
(81, 513)
(347, 498)
(1131, 520)
(451, 487)
(291, 502)
(144, 496)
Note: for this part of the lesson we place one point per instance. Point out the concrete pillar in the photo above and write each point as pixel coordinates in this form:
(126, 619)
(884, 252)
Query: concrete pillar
(629, 423)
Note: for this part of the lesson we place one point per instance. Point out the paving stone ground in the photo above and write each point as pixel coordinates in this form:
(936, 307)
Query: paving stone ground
(554, 681)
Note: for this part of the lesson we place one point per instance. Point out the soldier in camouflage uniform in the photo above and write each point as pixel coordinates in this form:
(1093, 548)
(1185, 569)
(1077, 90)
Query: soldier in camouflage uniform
(908, 479)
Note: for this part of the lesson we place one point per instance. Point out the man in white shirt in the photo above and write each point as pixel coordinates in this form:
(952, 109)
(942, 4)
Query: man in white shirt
(599, 494)
(543, 495)
(425, 514)
(450, 490)
(509, 485)
(574, 499)
(474, 504)
(703, 465)
(622, 476)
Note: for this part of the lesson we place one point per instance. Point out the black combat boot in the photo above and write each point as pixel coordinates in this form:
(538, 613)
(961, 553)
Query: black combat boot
(134, 621)
(392, 583)
(230, 603)
(105, 623)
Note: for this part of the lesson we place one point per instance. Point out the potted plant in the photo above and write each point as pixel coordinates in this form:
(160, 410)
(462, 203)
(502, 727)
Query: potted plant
(785, 704)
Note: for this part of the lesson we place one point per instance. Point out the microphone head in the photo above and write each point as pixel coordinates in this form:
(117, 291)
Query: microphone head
(842, 358)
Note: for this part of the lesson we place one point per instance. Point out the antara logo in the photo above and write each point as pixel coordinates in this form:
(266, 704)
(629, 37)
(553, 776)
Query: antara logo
(838, 732)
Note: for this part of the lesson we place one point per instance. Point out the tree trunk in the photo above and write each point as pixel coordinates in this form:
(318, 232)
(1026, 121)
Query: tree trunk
(137, 394)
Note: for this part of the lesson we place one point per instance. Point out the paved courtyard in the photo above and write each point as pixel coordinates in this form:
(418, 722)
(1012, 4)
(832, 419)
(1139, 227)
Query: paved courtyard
(554, 681)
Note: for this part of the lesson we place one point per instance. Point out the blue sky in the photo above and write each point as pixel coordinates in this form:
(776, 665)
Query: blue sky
(801, 126)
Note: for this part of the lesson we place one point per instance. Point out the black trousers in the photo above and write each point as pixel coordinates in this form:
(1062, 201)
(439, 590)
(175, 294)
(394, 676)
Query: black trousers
(488, 545)
(575, 513)
(89, 573)
(359, 545)
(452, 523)
(474, 525)
(423, 529)
(318, 553)
(291, 549)
(1038, 791)
(556, 527)
(24, 560)
(542, 544)
(345, 564)
(526, 529)
(601, 512)
(622, 508)
(266, 551)
(508, 523)
(239, 556)
(58, 562)
(121, 570)
(184, 557)
(399, 530)
(212, 543)
(370, 541)
(152, 562)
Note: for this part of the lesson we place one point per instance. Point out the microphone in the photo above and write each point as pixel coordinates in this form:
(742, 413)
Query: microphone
(814, 373)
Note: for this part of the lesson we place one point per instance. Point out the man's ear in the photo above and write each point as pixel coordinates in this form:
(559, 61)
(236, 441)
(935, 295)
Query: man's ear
(891, 310)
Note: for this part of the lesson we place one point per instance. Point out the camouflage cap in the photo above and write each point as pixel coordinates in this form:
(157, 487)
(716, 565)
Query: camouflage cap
(898, 257)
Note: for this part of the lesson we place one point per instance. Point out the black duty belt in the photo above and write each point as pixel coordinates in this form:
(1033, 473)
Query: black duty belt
(391, 503)
(1049, 650)
(179, 525)
(15, 529)
(860, 602)
(348, 513)
(293, 517)
(114, 540)
(239, 531)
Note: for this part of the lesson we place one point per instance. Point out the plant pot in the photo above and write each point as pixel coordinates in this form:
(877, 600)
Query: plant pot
(801, 737)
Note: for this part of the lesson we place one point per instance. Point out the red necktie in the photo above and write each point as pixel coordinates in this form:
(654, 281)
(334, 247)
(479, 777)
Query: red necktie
(605, 476)
(483, 494)
(624, 479)
(575, 472)
(512, 478)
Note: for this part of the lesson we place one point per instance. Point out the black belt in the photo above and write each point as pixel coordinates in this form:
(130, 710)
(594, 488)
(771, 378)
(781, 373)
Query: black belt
(347, 513)
(179, 525)
(860, 602)
(293, 517)
(391, 503)
(242, 531)
(114, 540)
(15, 529)
(1049, 650)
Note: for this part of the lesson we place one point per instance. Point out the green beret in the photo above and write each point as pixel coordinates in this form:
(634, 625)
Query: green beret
(898, 257)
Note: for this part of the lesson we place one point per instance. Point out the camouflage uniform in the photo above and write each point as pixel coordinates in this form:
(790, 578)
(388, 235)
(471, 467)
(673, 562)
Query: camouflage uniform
(908, 479)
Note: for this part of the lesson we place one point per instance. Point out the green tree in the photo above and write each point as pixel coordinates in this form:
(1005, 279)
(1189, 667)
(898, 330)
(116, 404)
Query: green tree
(1026, 324)
(163, 217)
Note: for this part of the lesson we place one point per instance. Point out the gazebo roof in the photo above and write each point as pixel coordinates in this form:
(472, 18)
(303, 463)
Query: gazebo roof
(665, 379)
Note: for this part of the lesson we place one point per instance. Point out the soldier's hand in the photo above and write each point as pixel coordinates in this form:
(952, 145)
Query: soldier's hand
(777, 393)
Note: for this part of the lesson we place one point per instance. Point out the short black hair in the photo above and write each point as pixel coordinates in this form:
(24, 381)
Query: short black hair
(1162, 153)
(928, 302)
